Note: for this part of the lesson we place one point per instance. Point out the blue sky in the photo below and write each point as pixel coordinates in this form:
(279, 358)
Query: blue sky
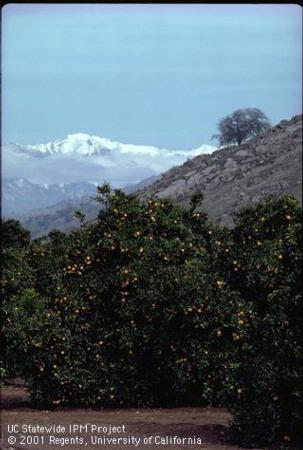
(145, 74)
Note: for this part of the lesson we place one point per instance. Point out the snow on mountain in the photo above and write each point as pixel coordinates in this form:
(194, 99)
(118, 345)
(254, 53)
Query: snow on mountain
(86, 145)
(45, 173)
(81, 157)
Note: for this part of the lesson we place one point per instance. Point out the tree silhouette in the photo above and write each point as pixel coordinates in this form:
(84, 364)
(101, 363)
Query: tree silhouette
(241, 125)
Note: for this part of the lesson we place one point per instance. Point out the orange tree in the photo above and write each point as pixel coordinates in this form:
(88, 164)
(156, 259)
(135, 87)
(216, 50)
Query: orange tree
(136, 316)
(16, 278)
(30, 270)
(265, 266)
(153, 305)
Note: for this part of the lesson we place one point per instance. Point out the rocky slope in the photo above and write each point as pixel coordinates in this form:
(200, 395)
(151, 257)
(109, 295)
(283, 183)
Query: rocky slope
(238, 175)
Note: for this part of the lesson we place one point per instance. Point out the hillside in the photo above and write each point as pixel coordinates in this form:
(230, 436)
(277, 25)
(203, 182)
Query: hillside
(238, 175)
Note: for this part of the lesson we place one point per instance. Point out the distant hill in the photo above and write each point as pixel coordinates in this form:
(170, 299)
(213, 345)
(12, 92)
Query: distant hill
(238, 175)
(20, 195)
(60, 215)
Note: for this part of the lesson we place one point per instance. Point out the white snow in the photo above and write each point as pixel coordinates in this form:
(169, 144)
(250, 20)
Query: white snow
(81, 156)
(87, 145)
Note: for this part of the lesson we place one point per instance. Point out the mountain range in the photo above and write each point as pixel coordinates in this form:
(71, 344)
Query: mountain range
(38, 176)
(81, 157)
(96, 146)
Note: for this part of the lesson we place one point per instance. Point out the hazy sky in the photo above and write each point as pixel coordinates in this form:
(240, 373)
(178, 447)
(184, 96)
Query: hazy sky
(151, 74)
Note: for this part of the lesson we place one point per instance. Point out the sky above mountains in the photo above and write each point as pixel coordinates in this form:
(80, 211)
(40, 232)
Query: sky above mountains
(158, 75)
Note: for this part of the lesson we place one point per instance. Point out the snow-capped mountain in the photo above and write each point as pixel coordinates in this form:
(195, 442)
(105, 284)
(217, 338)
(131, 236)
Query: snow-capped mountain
(81, 157)
(86, 145)
(40, 175)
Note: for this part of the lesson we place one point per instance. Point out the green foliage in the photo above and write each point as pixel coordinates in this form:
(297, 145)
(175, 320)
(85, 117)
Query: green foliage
(29, 271)
(17, 312)
(196, 200)
(46, 257)
(266, 267)
(241, 125)
(138, 318)
(16, 277)
(3, 375)
(152, 305)
(13, 234)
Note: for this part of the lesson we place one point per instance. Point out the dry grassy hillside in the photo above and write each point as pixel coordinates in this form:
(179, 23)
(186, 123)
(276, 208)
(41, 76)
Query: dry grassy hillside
(238, 175)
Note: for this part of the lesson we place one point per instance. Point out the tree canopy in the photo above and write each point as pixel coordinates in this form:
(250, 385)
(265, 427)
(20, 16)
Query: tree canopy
(241, 125)
(153, 305)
